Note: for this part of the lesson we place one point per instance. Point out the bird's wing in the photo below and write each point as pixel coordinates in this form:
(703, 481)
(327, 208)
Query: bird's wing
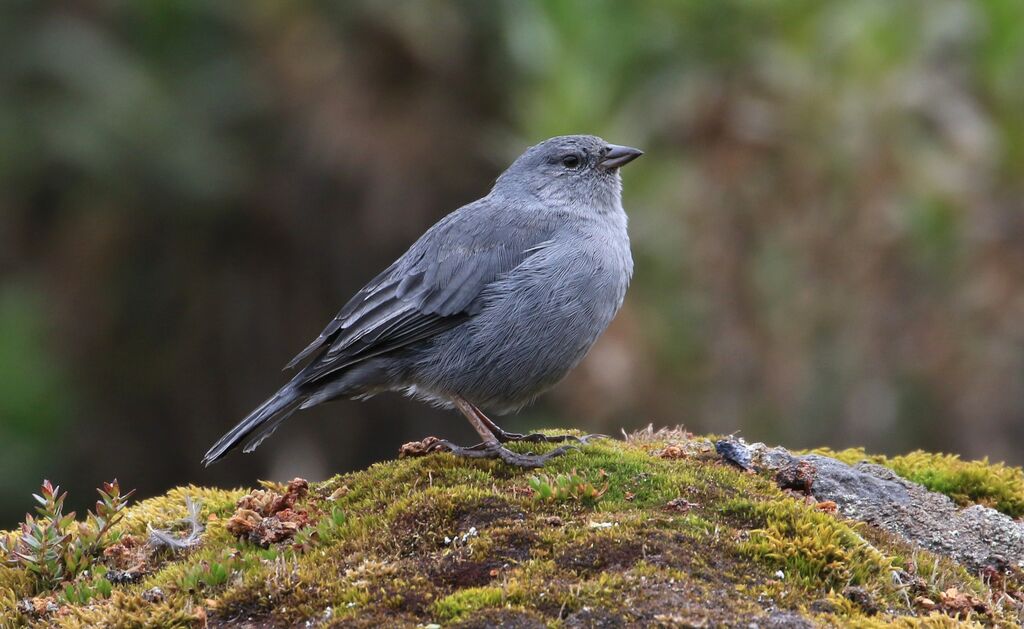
(430, 289)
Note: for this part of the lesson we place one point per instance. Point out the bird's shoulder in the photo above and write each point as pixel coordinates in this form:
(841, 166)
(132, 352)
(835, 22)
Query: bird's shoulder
(448, 266)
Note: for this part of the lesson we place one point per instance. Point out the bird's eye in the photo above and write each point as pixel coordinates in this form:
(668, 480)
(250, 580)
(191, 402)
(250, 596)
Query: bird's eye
(571, 161)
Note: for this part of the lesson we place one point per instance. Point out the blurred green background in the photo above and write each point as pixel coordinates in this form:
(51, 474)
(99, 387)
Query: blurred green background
(828, 225)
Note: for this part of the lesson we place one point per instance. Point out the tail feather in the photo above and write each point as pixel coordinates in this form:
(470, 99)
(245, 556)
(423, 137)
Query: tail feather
(265, 431)
(262, 421)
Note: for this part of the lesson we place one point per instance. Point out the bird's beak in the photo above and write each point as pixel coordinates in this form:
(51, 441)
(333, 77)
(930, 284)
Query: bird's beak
(618, 156)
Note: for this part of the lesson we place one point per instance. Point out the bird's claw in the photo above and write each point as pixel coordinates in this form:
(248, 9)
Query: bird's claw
(536, 437)
(494, 450)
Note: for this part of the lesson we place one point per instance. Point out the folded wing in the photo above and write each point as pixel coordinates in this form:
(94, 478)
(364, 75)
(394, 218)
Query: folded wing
(433, 287)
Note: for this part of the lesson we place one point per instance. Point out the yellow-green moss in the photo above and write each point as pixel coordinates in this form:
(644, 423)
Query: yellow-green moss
(934, 620)
(462, 602)
(170, 507)
(14, 585)
(677, 536)
(814, 547)
(995, 485)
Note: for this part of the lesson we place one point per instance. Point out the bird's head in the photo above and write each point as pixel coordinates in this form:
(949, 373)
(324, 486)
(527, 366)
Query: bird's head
(569, 170)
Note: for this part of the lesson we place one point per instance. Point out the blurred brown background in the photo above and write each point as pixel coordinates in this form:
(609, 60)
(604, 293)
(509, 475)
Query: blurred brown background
(828, 225)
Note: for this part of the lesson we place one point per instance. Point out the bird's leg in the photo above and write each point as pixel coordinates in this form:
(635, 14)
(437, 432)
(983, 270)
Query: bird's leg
(491, 448)
(535, 437)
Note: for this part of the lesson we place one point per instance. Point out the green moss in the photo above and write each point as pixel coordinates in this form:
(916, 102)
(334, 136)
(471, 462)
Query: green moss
(934, 620)
(813, 547)
(995, 485)
(170, 507)
(459, 604)
(15, 584)
(676, 538)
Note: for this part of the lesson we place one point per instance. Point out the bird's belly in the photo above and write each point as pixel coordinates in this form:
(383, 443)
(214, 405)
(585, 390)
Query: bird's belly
(527, 337)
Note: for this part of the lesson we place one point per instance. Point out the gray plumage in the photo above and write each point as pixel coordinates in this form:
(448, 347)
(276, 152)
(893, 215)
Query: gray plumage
(492, 305)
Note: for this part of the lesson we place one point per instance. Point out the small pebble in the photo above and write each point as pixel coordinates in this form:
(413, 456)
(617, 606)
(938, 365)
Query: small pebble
(735, 452)
(153, 595)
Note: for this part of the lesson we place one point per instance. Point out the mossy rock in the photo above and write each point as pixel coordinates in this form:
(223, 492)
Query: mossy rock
(995, 485)
(653, 531)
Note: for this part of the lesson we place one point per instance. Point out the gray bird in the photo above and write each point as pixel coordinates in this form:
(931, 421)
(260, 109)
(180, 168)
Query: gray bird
(493, 305)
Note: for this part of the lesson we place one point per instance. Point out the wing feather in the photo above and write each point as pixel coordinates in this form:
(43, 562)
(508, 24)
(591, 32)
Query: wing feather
(432, 288)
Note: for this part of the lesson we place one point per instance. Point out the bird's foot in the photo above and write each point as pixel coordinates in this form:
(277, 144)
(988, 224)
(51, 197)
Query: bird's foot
(494, 450)
(536, 437)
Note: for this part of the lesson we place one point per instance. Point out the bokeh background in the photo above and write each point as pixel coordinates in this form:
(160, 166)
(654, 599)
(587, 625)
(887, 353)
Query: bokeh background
(828, 225)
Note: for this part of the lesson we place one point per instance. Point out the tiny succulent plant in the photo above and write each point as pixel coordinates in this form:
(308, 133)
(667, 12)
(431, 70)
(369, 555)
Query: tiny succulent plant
(53, 546)
(563, 487)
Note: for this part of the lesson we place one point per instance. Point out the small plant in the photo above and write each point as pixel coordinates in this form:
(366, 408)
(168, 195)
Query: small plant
(211, 574)
(52, 546)
(326, 529)
(571, 486)
(217, 574)
(81, 592)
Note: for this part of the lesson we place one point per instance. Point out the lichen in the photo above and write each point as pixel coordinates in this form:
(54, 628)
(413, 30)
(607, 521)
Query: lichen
(674, 537)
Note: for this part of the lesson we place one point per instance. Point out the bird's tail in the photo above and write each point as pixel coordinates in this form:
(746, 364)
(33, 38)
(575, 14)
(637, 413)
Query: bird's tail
(259, 424)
